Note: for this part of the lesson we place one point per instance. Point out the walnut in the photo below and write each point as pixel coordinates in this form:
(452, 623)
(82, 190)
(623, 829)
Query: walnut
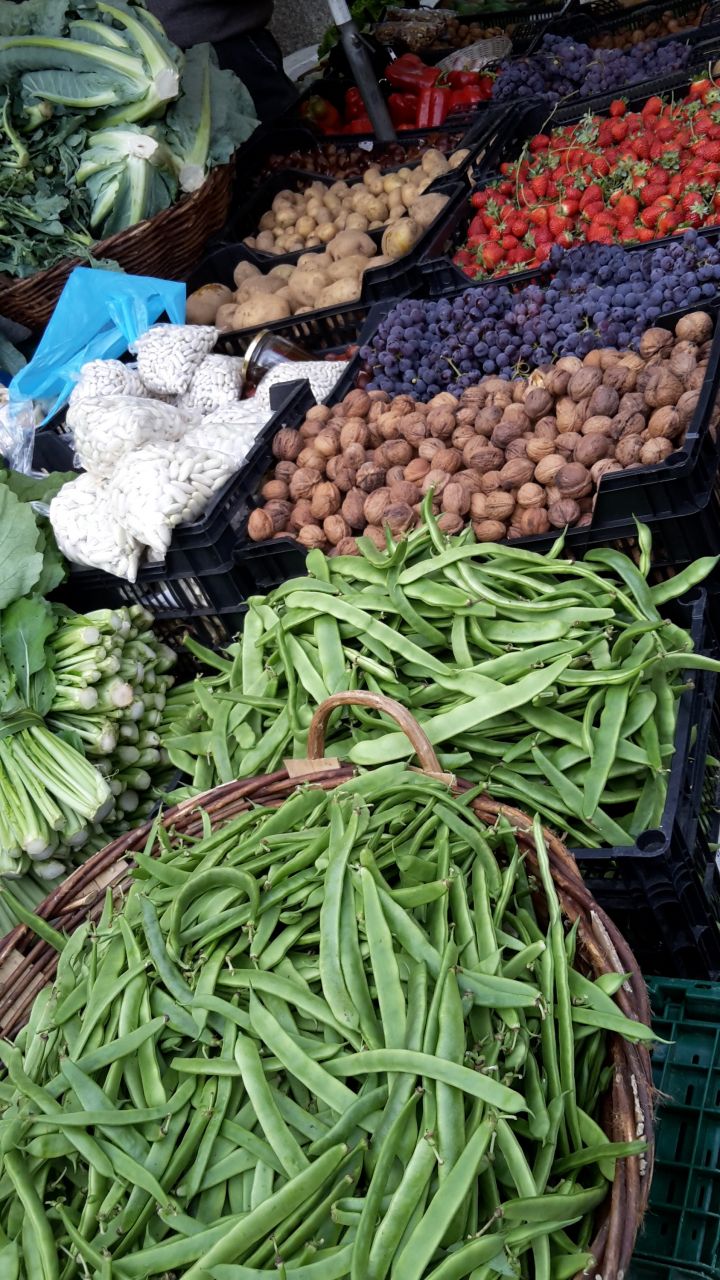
(516, 472)
(416, 470)
(547, 468)
(593, 359)
(260, 525)
(516, 449)
(598, 424)
(696, 379)
(279, 512)
(487, 419)
(461, 435)
(619, 378)
(395, 453)
(355, 455)
(506, 431)
(399, 517)
(370, 476)
(556, 381)
(300, 514)
(340, 473)
(604, 467)
(403, 404)
(378, 397)
(375, 504)
(481, 456)
(413, 428)
(537, 448)
(443, 400)
(571, 363)
(327, 442)
(490, 481)
(489, 530)
(531, 495)
(592, 448)
(441, 422)
(654, 341)
(309, 457)
(394, 475)
(573, 480)
(583, 383)
(404, 491)
(449, 460)
(287, 444)
(428, 448)
(450, 523)
(569, 415)
(632, 425)
(311, 536)
(274, 489)
(335, 529)
(665, 422)
(662, 388)
(563, 513)
(356, 404)
(537, 403)
(628, 450)
(685, 406)
(683, 360)
(696, 327)
(567, 442)
(320, 413)
(354, 431)
(456, 498)
(470, 478)
(285, 471)
(353, 508)
(479, 504)
(466, 416)
(347, 547)
(325, 500)
(546, 428)
(376, 535)
(496, 506)
(475, 395)
(310, 429)
(654, 451)
(435, 480)
(603, 401)
(303, 482)
(533, 520)
(519, 390)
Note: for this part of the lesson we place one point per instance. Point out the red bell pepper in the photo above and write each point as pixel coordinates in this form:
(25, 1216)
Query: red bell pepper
(462, 79)
(361, 124)
(403, 109)
(466, 98)
(354, 105)
(433, 107)
(410, 72)
(321, 113)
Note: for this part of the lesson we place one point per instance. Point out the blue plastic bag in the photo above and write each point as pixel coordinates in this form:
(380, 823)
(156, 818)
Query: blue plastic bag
(97, 317)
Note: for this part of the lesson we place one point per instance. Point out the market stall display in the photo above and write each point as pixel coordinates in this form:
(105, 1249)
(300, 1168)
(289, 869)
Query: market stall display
(310, 1145)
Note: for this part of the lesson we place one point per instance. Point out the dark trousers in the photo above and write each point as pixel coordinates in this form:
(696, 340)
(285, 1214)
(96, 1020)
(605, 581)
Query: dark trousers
(256, 58)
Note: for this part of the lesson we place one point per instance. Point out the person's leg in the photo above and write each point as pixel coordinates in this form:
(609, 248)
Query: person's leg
(256, 58)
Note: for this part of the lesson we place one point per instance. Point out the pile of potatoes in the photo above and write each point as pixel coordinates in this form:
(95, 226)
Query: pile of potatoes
(308, 219)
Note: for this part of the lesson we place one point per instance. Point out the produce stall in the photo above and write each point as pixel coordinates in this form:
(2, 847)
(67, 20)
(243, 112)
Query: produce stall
(359, 652)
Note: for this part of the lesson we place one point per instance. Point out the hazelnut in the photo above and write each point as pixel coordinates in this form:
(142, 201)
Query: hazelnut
(456, 499)
(370, 476)
(311, 536)
(303, 482)
(516, 472)
(309, 457)
(287, 444)
(416, 470)
(489, 530)
(356, 404)
(531, 495)
(573, 480)
(655, 450)
(347, 547)
(450, 523)
(435, 480)
(564, 512)
(628, 450)
(533, 520)
(335, 529)
(592, 448)
(399, 517)
(260, 525)
(496, 506)
(325, 500)
(547, 468)
(665, 422)
(353, 508)
(274, 489)
(353, 431)
(279, 512)
(375, 504)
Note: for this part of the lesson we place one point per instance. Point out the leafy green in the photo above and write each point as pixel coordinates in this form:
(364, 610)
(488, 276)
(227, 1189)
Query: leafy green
(20, 564)
(36, 488)
(11, 360)
(41, 490)
(24, 631)
(213, 115)
(123, 172)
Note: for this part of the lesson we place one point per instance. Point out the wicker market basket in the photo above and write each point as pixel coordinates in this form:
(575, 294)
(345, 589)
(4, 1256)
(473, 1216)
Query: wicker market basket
(168, 245)
(27, 963)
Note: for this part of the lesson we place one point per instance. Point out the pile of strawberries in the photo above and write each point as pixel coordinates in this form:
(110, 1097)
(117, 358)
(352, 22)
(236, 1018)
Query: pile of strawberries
(614, 179)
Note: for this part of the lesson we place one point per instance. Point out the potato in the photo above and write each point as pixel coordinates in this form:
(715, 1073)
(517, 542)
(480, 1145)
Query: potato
(282, 200)
(243, 271)
(434, 163)
(374, 208)
(338, 189)
(382, 260)
(458, 157)
(392, 182)
(427, 208)
(317, 189)
(317, 210)
(356, 222)
(409, 193)
(351, 242)
(373, 180)
(326, 232)
(266, 242)
(401, 238)
(423, 184)
(294, 243)
(203, 305)
(333, 203)
(225, 318)
(353, 265)
(305, 226)
(283, 269)
(340, 220)
(267, 222)
(258, 284)
(340, 291)
(306, 287)
(312, 261)
(286, 217)
(259, 310)
(312, 242)
(405, 173)
(250, 242)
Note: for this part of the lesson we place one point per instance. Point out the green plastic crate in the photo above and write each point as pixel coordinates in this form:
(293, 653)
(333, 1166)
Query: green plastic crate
(681, 1236)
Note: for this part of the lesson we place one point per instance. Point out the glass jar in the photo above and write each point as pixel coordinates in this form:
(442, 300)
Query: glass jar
(265, 352)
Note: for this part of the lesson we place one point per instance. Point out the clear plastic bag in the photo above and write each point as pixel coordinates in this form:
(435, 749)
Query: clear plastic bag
(17, 433)
(105, 428)
(161, 486)
(107, 378)
(217, 381)
(86, 532)
(476, 56)
(231, 431)
(169, 354)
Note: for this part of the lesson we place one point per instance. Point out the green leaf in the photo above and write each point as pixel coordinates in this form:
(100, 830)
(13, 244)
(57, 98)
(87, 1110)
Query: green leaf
(36, 488)
(20, 564)
(54, 566)
(24, 631)
(42, 691)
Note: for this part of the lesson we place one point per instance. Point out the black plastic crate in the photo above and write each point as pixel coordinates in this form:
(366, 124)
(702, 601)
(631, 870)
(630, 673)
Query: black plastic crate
(588, 26)
(680, 1239)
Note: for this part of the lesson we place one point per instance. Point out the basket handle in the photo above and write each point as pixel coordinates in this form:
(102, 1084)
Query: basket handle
(417, 736)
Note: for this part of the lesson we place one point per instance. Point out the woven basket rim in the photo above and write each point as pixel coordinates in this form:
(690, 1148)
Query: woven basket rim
(628, 1108)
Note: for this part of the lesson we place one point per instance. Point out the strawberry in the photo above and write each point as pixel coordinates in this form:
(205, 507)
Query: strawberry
(540, 142)
(557, 225)
(653, 106)
(509, 242)
(619, 130)
(650, 193)
(492, 256)
(667, 223)
(650, 216)
(598, 234)
(539, 185)
(699, 88)
(518, 226)
(618, 107)
(626, 206)
(643, 234)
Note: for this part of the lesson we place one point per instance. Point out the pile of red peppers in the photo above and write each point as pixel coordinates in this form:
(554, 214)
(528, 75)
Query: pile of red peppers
(422, 98)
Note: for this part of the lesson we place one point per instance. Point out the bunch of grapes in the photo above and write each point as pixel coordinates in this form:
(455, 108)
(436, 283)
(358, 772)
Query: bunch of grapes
(563, 67)
(594, 296)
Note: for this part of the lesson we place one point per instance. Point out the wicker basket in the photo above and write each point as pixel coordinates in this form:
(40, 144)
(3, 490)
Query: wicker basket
(168, 245)
(27, 963)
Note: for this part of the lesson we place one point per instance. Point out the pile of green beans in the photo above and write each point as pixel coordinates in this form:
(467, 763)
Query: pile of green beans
(553, 682)
(328, 1040)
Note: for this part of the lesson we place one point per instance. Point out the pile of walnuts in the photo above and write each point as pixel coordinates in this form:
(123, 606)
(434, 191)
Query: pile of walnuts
(513, 458)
